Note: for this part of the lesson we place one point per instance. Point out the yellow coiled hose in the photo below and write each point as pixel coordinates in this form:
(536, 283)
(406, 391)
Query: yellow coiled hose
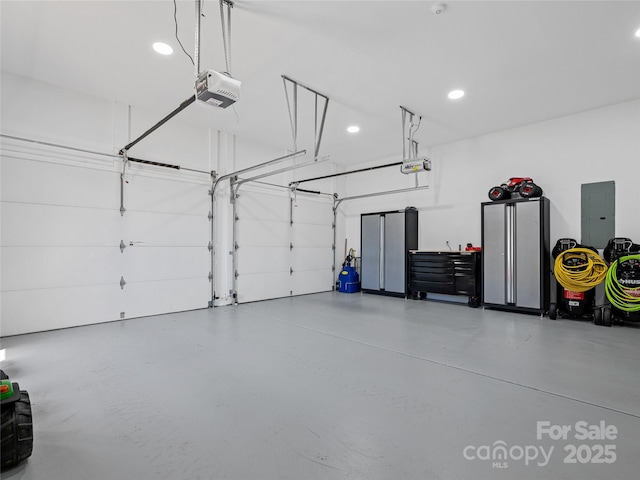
(580, 278)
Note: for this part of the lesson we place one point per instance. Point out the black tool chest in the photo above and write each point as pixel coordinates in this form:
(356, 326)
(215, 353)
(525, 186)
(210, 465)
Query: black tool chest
(451, 273)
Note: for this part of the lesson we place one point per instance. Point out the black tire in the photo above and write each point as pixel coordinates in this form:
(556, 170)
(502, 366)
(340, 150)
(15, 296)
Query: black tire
(539, 191)
(553, 311)
(423, 295)
(17, 431)
(529, 190)
(474, 302)
(597, 315)
(606, 317)
(498, 193)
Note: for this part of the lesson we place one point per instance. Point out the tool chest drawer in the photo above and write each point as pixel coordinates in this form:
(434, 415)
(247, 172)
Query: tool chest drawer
(451, 273)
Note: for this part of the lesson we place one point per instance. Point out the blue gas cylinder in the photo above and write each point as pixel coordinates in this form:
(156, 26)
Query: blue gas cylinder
(348, 280)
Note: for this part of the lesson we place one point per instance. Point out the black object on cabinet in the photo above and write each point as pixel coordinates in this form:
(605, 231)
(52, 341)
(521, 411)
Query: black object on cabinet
(385, 240)
(450, 273)
(516, 255)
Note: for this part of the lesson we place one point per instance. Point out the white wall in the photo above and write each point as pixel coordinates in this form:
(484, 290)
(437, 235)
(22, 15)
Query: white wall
(560, 155)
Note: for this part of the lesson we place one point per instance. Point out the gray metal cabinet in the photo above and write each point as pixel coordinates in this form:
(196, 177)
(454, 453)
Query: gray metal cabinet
(515, 254)
(386, 239)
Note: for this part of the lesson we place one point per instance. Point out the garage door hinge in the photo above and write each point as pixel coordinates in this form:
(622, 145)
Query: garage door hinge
(122, 283)
(290, 270)
(210, 277)
(237, 218)
(210, 216)
(122, 246)
(210, 246)
(290, 246)
(210, 192)
(236, 246)
(333, 247)
(236, 274)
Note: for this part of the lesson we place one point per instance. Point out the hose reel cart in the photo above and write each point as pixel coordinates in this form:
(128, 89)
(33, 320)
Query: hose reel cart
(578, 269)
(622, 285)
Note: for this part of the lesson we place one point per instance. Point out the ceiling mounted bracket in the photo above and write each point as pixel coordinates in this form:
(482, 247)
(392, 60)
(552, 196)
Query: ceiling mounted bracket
(411, 162)
(408, 143)
(226, 31)
(293, 113)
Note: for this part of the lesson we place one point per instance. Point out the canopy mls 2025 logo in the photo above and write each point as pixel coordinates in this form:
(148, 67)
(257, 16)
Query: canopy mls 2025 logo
(595, 449)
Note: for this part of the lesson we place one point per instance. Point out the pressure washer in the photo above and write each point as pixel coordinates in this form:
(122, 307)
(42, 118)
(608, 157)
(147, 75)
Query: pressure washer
(578, 269)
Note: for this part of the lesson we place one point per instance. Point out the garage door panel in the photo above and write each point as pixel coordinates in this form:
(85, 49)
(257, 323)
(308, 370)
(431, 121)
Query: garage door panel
(311, 235)
(164, 195)
(259, 234)
(263, 260)
(55, 267)
(25, 311)
(47, 225)
(66, 185)
(263, 207)
(165, 263)
(312, 281)
(312, 211)
(254, 287)
(312, 258)
(143, 298)
(165, 229)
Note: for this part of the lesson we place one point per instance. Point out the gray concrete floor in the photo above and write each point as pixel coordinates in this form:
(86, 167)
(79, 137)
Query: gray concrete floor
(330, 386)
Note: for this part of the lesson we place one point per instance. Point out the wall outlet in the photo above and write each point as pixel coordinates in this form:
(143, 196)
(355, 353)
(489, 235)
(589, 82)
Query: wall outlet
(121, 314)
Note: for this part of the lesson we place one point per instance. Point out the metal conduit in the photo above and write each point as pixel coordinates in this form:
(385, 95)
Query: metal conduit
(57, 145)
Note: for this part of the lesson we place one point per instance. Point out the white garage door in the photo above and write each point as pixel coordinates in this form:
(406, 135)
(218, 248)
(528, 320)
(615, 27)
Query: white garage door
(61, 231)
(278, 258)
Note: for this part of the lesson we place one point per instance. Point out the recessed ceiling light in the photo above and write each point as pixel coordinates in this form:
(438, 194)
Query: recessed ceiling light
(353, 129)
(638, 33)
(455, 94)
(162, 48)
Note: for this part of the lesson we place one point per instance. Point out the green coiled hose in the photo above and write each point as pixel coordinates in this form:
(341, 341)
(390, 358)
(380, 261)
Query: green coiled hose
(624, 298)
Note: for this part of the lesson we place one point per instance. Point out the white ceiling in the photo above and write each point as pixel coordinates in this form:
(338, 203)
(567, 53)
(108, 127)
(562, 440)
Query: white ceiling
(520, 62)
